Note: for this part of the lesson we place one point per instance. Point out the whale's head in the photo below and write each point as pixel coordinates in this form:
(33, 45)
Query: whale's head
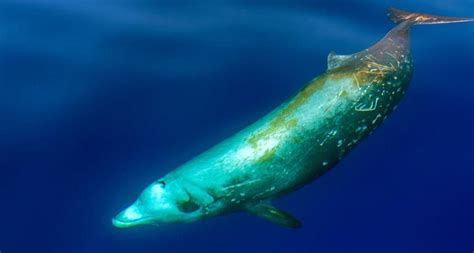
(164, 201)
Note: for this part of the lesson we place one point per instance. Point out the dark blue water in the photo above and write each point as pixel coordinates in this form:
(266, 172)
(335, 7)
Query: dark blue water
(100, 98)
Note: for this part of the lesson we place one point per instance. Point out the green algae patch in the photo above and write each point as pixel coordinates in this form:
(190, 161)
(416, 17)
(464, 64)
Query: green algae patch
(267, 156)
(283, 120)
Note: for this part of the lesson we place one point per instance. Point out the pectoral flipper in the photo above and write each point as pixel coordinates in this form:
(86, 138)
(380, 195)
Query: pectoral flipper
(274, 215)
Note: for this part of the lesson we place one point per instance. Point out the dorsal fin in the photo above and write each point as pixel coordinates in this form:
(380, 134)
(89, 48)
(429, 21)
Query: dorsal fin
(335, 60)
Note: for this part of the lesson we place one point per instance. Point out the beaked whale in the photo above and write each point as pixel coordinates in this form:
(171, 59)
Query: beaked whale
(294, 144)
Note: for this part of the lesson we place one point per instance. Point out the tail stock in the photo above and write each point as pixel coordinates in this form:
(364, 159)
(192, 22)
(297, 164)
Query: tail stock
(399, 16)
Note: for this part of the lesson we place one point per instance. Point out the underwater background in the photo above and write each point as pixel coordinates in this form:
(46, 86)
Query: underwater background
(100, 98)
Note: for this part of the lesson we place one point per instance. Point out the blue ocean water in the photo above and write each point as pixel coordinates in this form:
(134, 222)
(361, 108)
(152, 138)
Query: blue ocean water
(100, 98)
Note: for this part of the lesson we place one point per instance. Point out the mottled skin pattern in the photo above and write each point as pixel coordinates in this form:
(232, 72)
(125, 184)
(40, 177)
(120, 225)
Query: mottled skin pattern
(309, 134)
(294, 144)
(306, 136)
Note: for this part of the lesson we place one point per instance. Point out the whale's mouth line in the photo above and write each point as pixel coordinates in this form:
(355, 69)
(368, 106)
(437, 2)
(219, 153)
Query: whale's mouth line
(120, 223)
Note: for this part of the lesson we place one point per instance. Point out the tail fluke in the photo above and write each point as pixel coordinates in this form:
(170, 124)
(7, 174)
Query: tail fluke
(399, 16)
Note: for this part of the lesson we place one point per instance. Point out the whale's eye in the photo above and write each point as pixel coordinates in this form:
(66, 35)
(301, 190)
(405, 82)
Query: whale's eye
(162, 183)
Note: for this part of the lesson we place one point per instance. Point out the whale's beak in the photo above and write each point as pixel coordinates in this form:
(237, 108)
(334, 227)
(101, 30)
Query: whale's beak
(130, 217)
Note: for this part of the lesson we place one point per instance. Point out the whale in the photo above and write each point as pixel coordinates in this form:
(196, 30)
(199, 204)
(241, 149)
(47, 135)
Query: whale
(292, 145)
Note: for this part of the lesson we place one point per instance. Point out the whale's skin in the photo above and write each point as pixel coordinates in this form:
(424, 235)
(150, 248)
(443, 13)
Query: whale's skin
(291, 146)
(295, 143)
(307, 135)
